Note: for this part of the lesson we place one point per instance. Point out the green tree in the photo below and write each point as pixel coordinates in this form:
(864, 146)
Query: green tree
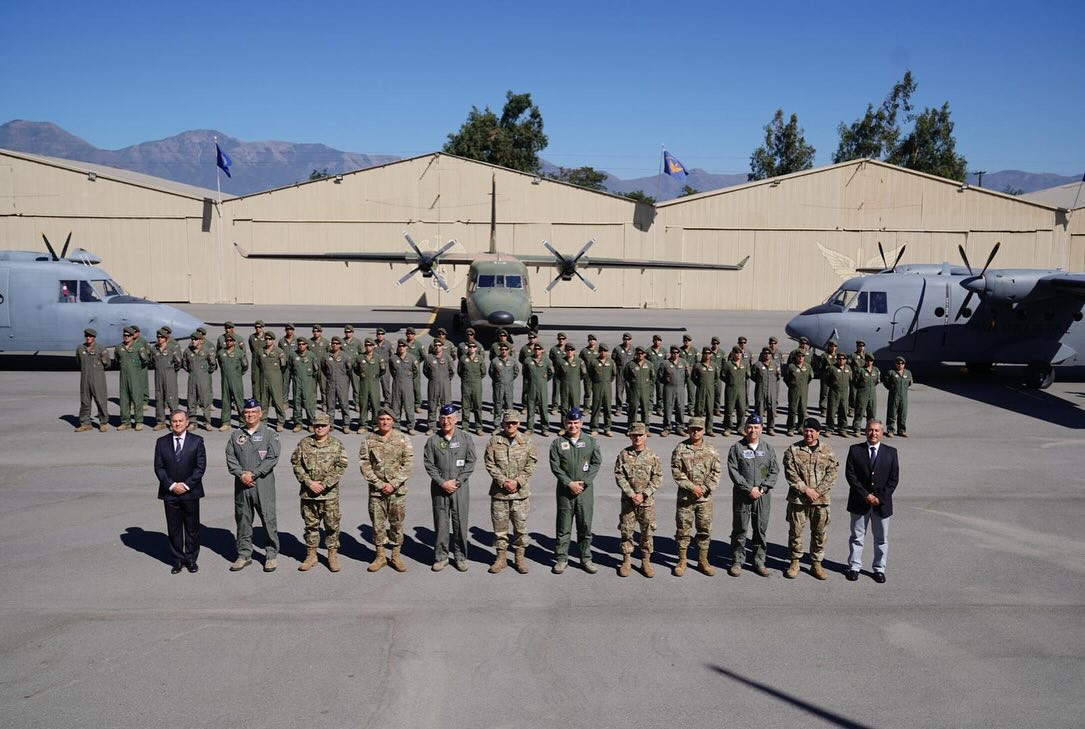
(930, 147)
(512, 140)
(688, 190)
(877, 133)
(319, 174)
(588, 177)
(785, 149)
(639, 196)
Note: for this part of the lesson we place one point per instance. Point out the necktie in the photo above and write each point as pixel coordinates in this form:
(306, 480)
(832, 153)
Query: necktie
(873, 456)
(177, 447)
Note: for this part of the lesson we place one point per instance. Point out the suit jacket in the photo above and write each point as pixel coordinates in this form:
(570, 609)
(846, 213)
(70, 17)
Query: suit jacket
(882, 482)
(186, 467)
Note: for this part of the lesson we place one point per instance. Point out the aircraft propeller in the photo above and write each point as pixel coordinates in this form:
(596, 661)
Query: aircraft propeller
(53, 253)
(900, 254)
(567, 266)
(427, 262)
(975, 283)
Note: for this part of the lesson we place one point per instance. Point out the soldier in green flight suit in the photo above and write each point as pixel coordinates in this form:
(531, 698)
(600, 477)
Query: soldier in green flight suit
(823, 364)
(146, 382)
(588, 355)
(303, 369)
(256, 343)
(622, 355)
(898, 381)
(288, 343)
(414, 349)
(369, 369)
(601, 374)
(838, 378)
(471, 367)
(199, 361)
(439, 370)
(754, 470)
(318, 345)
(166, 361)
(385, 351)
(864, 385)
(675, 374)
(337, 365)
(735, 375)
(272, 363)
(352, 347)
(718, 359)
(233, 364)
(404, 366)
(857, 361)
(133, 361)
(556, 356)
(537, 373)
(798, 379)
(503, 373)
(574, 460)
(526, 352)
(656, 356)
(640, 382)
(92, 386)
(690, 354)
(766, 376)
(705, 376)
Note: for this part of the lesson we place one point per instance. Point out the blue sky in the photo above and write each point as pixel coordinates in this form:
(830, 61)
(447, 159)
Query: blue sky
(614, 80)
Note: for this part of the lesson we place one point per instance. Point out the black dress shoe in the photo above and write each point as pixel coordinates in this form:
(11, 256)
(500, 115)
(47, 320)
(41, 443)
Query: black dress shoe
(879, 577)
(851, 575)
(193, 567)
(176, 570)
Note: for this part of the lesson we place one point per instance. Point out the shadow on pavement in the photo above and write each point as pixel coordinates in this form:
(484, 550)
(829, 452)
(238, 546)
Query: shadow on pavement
(1004, 392)
(812, 709)
(157, 544)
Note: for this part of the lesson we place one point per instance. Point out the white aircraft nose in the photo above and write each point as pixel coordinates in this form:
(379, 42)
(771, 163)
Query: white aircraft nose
(183, 324)
(804, 325)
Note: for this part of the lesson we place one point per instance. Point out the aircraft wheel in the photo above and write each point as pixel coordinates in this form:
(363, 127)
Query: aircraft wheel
(979, 368)
(1039, 376)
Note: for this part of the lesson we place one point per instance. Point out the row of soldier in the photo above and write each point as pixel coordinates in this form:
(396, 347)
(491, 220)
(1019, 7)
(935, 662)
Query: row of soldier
(347, 373)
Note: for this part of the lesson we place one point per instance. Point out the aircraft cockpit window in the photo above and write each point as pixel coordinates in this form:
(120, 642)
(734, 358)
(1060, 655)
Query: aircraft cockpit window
(67, 291)
(859, 303)
(87, 294)
(514, 282)
(878, 303)
(106, 288)
(486, 281)
(842, 298)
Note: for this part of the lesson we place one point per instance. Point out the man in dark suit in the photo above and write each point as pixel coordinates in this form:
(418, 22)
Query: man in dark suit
(179, 463)
(872, 472)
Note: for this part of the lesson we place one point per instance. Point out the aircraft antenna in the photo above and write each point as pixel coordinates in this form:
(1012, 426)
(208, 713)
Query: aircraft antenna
(493, 213)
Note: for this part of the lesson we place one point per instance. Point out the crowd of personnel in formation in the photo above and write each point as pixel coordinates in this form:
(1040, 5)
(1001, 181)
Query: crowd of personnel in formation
(346, 373)
(386, 459)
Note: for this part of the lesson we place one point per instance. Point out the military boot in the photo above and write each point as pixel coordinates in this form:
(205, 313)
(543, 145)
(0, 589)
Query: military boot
(310, 560)
(224, 427)
(818, 571)
(397, 561)
(333, 559)
(82, 428)
(680, 568)
(123, 426)
(623, 571)
(646, 564)
(500, 562)
(159, 426)
(378, 561)
(793, 569)
(103, 428)
(702, 562)
(139, 426)
(520, 565)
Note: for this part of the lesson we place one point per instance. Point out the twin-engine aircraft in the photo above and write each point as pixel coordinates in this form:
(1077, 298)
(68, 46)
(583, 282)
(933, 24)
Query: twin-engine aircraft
(498, 289)
(933, 313)
(46, 301)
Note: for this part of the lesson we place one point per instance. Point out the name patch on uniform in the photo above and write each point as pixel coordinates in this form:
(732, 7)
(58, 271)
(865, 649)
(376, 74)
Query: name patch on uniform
(748, 455)
(460, 462)
(454, 444)
(257, 438)
(580, 444)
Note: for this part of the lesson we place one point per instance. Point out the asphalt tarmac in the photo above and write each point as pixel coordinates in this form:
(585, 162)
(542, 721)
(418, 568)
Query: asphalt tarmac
(981, 622)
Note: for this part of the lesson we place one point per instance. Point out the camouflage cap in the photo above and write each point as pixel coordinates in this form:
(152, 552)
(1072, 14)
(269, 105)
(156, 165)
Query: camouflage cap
(88, 332)
(641, 350)
(201, 330)
(289, 327)
(901, 360)
(627, 335)
(135, 328)
(715, 340)
(675, 349)
(532, 335)
(471, 331)
(804, 340)
(228, 325)
(303, 340)
(831, 344)
(386, 411)
(561, 335)
(811, 423)
(687, 338)
(472, 345)
(195, 335)
(638, 429)
(162, 332)
(502, 333)
(657, 338)
(269, 336)
(841, 355)
(592, 338)
(604, 348)
(773, 340)
(860, 343)
(258, 323)
(337, 340)
(229, 337)
(410, 330)
(401, 342)
(706, 350)
(800, 353)
(736, 350)
(695, 423)
(868, 357)
(369, 342)
(321, 419)
(570, 348)
(442, 332)
(503, 345)
(510, 416)
(348, 328)
(129, 331)
(380, 330)
(167, 329)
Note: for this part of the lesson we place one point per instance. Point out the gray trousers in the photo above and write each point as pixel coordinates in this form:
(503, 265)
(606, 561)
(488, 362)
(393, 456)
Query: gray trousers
(450, 522)
(745, 511)
(257, 499)
(880, 527)
(165, 395)
(673, 406)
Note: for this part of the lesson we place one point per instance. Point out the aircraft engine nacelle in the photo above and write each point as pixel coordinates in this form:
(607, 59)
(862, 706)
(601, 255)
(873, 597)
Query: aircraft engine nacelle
(1011, 286)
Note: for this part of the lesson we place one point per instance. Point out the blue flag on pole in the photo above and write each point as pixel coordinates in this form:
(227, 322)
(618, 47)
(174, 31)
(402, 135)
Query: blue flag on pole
(672, 166)
(223, 160)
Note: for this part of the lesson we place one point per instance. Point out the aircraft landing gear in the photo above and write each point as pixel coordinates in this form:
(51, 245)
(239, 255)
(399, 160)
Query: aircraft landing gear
(978, 368)
(457, 322)
(533, 322)
(1039, 376)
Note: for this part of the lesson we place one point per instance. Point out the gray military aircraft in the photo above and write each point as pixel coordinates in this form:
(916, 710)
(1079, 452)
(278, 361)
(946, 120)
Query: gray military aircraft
(924, 312)
(46, 301)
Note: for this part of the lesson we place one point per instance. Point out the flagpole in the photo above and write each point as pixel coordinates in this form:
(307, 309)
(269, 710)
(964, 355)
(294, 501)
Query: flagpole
(659, 176)
(218, 226)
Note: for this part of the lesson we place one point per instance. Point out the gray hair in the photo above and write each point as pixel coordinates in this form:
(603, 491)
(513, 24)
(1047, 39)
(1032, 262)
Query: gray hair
(875, 421)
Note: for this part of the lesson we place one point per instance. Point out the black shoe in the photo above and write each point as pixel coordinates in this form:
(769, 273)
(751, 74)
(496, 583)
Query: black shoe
(193, 567)
(851, 575)
(176, 570)
(879, 577)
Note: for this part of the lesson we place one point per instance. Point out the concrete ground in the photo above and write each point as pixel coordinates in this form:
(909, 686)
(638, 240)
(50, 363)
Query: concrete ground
(981, 623)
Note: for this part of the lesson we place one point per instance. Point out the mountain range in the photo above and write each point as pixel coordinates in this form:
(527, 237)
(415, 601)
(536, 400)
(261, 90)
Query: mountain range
(189, 157)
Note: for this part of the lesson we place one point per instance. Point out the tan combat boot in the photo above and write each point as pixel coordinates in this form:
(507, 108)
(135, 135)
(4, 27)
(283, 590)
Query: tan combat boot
(333, 560)
(378, 561)
(680, 568)
(103, 428)
(818, 571)
(397, 561)
(792, 569)
(139, 426)
(123, 426)
(310, 560)
(702, 563)
(82, 428)
(646, 564)
(500, 562)
(224, 427)
(520, 565)
(623, 571)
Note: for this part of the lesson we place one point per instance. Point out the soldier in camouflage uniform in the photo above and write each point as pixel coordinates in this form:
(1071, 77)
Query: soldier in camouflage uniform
(439, 371)
(735, 374)
(765, 376)
(570, 373)
(556, 355)
(705, 375)
(133, 361)
(838, 379)
(503, 373)
(601, 374)
(574, 460)
(92, 361)
(319, 463)
(864, 387)
(252, 452)
(510, 459)
(656, 356)
(674, 373)
(233, 364)
(622, 355)
(449, 460)
(898, 381)
(370, 371)
(798, 379)
(640, 380)
(256, 343)
(303, 371)
(385, 458)
(337, 365)
(810, 468)
(414, 349)
(588, 355)
(639, 474)
(403, 367)
(166, 361)
(471, 367)
(695, 467)
(537, 372)
(272, 363)
(752, 466)
(199, 362)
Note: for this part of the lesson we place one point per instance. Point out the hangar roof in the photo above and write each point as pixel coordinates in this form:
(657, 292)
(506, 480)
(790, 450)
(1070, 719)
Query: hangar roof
(1064, 196)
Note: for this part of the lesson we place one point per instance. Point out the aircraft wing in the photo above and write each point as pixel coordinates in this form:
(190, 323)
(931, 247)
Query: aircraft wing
(447, 259)
(634, 263)
(1070, 283)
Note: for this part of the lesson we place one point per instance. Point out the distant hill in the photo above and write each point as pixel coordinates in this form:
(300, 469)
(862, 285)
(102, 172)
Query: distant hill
(1014, 180)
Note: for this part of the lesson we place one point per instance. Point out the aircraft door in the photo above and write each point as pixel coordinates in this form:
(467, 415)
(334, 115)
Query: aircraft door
(902, 337)
(5, 298)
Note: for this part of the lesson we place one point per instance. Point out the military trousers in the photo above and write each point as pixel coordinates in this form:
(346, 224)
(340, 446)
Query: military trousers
(131, 397)
(248, 502)
(503, 400)
(273, 396)
(735, 406)
(536, 403)
(369, 402)
(600, 403)
(717, 398)
(255, 379)
(165, 395)
(797, 517)
(570, 394)
(338, 399)
(620, 395)
(630, 518)
(640, 406)
(200, 397)
(417, 378)
(471, 402)
(438, 394)
(555, 392)
(315, 511)
(896, 416)
(766, 406)
(866, 407)
(703, 408)
(836, 415)
(503, 511)
(387, 513)
(450, 522)
(691, 394)
(232, 398)
(580, 508)
(692, 514)
(673, 407)
(796, 406)
(304, 400)
(403, 404)
(750, 512)
(657, 398)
